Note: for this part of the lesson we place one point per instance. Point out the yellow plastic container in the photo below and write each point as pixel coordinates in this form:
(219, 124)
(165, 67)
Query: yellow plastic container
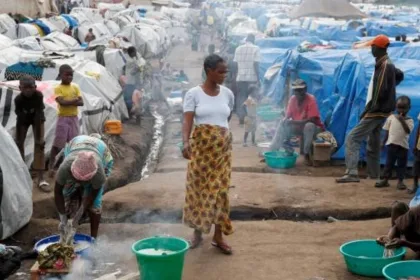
(113, 127)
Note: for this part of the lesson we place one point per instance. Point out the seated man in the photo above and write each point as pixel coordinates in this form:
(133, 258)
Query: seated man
(302, 119)
(405, 231)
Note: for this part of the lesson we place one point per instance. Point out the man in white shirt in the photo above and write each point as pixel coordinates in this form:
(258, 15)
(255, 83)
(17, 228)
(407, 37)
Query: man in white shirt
(247, 58)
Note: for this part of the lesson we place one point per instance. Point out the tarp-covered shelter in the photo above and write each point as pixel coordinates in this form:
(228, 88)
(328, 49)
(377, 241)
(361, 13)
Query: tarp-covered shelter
(7, 26)
(15, 185)
(92, 77)
(340, 9)
(92, 115)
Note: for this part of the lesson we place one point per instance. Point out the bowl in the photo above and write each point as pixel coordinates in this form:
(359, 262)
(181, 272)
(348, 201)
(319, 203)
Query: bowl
(280, 159)
(404, 269)
(264, 108)
(78, 238)
(365, 257)
(269, 115)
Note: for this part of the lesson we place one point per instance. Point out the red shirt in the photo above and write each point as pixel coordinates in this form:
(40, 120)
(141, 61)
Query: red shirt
(308, 110)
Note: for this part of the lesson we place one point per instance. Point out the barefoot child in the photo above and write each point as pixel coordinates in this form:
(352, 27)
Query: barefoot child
(29, 109)
(68, 97)
(398, 128)
(250, 107)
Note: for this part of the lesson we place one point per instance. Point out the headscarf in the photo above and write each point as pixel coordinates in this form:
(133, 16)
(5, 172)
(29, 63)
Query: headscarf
(84, 167)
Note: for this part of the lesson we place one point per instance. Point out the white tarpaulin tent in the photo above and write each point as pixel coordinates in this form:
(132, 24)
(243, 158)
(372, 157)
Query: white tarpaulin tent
(112, 26)
(58, 22)
(87, 14)
(114, 60)
(5, 42)
(15, 188)
(110, 8)
(57, 41)
(92, 77)
(100, 30)
(92, 115)
(144, 38)
(7, 26)
(26, 30)
(123, 20)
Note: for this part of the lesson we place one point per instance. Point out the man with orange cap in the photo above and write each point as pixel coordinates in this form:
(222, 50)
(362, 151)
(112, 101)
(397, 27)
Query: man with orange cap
(380, 103)
(80, 181)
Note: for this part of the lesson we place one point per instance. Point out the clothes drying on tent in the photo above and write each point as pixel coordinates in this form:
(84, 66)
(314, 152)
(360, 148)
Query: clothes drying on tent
(43, 29)
(70, 20)
(20, 69)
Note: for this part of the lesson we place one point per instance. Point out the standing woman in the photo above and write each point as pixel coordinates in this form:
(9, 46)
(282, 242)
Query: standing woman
(209, 106)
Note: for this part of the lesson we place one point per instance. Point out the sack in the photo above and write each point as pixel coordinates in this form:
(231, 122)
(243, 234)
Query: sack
(210, 20)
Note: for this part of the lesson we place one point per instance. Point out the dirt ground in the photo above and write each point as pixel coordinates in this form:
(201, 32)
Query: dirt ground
(133, 145)
(263, 250)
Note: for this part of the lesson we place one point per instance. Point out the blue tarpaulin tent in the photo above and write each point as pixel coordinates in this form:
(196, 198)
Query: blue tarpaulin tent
(339, 80)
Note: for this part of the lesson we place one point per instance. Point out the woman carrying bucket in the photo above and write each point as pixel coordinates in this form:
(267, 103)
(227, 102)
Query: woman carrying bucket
(209, 106)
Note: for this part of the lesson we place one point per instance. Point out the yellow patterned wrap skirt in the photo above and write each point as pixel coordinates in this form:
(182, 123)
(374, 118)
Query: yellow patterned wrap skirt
(208, 179)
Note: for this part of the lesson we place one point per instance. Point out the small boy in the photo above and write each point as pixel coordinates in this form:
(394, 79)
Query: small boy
(398, 128)
(68, 97)
(250, 108)
(416, 167)
(29, 109)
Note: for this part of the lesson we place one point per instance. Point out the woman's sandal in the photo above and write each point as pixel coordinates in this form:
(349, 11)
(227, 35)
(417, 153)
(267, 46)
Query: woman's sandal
(195, 242)
(223, 247)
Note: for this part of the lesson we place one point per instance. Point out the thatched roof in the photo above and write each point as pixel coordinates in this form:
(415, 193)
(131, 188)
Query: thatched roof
(340, 9)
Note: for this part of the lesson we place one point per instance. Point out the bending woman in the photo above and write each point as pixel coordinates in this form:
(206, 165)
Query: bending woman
(209, 148)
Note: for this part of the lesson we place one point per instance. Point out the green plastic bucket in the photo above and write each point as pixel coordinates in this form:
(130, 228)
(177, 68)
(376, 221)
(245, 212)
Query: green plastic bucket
(404, 269)
(167, 266)
(365, 257)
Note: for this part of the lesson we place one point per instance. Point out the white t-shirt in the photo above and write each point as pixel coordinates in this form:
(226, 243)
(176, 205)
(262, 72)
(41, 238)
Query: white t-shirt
(396, 132)
(213, 110)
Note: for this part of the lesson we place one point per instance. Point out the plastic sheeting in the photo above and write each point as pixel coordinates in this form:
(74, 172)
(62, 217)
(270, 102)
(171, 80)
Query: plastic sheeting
(27, 30)
(339, 80)
(144, 38)
(285, 42)
(92, 77)
(15, 188)
(84, 15)
(7, 26)
(5, 42)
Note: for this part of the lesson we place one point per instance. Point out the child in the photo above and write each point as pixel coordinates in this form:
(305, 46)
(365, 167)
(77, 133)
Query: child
(68, 97)
(29, 109)
(250, 106)
(416, 167)
(398, 128)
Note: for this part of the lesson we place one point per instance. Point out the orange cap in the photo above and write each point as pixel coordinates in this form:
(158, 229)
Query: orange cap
(381, 41)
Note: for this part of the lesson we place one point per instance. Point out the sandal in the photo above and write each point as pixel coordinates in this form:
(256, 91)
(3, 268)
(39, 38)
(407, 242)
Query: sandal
(223, 247)
(348, 179)
(44, 186)
(195, 242)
